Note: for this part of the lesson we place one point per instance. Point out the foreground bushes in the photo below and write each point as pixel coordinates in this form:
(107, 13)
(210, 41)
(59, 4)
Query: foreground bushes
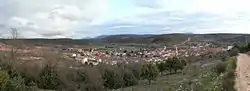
(87, 78)
(113, 79)
(149, 71)
(48, 78)
(218, 78)
(220, 68)
(171, 65)
(226, 72)
(243, 48)
(12, 81)
(4, 78)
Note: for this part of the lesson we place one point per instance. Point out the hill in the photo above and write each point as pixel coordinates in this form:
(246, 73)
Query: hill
(145, 39)
(174, 38)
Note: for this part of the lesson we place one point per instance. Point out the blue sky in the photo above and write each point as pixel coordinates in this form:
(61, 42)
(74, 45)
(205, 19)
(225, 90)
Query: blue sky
(90, 18)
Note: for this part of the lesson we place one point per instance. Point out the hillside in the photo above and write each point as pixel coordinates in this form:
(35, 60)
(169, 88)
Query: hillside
(145, 39)
(174, 38)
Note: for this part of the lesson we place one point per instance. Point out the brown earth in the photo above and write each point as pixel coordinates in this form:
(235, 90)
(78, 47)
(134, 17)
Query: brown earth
(243, 73)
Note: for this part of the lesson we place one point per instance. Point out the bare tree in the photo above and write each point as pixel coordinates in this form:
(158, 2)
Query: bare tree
(14, 33)
(15, 43)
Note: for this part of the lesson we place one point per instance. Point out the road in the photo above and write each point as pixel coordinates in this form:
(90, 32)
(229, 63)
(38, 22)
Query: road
(243, 73)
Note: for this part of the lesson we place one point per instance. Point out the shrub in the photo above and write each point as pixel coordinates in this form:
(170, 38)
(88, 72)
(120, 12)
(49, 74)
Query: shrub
(136, 69)
(175, 64)
(233, 52)
(93, 79)
(220, 68)
(228, 81)
(48, 79)
(231, 63)
(112, 78)
(129, 78)
(149, 71)
(4, 79)
(17, 84)
(161, 66)
(243, 48)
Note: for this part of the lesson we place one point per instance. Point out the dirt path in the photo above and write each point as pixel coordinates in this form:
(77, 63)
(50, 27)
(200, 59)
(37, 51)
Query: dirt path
(243, 73)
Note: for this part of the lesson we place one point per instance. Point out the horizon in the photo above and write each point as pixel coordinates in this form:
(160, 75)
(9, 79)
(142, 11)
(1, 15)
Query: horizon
(77, 19)
(129, 35)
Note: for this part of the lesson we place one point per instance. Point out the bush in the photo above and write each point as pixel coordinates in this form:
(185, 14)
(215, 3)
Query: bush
(244, 48)
(175, 64)
(220, 68)
(93, 79)
(129, 78)
(136, 69)
(28, 80)
(48, 79)
(113, 79)
(4, 79)
(17, 84)
(228, 81)
(161, 66)
(231, 63)
(149, 72)
(233, 52)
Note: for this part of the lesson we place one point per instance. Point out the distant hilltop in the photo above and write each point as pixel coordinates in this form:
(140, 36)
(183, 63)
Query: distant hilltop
(172, 38)
(145, 39)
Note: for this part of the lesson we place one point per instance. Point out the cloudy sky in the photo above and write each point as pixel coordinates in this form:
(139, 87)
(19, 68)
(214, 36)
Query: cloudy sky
(90, 18)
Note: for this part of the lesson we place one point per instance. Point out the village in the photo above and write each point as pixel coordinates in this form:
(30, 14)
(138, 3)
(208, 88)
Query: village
(94, 56)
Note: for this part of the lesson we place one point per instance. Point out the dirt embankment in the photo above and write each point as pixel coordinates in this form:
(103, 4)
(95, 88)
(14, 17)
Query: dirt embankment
(243, 73)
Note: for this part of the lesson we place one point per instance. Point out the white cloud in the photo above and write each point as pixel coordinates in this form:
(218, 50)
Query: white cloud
(81, 18)
(172, 22)
(122, 26)
(149, 3)
(198, 16)
(54, 18)
(220, 7)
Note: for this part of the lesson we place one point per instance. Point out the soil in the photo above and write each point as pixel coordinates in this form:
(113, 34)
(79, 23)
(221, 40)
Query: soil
(243, 73)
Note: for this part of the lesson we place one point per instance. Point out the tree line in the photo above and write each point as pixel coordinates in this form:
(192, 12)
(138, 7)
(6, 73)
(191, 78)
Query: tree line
(87, 78)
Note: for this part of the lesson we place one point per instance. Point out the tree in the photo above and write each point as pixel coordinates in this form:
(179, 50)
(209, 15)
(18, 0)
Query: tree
(169, 64)
(92, 79)
(233, 52)
(129, 78)
(161, 66)
(149, 71)
(113, 79)
(15, 43)
(179, 64)
(136, 69)
(175, 64)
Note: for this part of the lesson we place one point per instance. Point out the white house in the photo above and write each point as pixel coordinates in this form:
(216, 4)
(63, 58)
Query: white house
(229, 47)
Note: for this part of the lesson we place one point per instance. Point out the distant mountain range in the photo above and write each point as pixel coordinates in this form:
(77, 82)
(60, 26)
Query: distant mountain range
(172, 38)
(145, 39)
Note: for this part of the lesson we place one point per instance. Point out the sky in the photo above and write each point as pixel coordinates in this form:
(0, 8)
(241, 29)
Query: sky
(91, 18)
